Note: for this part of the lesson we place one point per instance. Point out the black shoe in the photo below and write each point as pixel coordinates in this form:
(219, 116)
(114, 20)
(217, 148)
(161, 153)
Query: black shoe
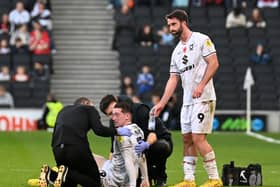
(61, 176)
(160, 183)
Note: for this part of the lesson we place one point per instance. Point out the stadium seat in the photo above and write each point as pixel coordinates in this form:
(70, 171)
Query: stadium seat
(145, 51)
(142, 15)
(5, 60)
(21, 60)
(43, 59)
(216, 12)
(6, 84)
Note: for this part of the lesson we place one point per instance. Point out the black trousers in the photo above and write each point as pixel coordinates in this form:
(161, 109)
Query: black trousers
(82, 168)
(157, 156)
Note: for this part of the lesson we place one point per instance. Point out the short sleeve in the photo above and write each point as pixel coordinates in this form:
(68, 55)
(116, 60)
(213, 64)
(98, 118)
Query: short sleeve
(173, 66)
(208, 47)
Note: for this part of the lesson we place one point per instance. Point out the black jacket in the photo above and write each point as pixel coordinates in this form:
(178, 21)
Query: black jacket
(140, 116)
(73, 123)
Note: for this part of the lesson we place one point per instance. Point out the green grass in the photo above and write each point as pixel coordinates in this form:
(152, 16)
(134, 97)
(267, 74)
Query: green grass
(23, 153)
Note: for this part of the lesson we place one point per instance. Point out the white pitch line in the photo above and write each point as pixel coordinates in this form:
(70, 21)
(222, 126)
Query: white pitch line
(261, 137)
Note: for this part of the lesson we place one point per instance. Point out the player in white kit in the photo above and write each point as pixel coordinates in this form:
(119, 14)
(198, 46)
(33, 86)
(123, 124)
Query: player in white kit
(194, 60)
(122, 170)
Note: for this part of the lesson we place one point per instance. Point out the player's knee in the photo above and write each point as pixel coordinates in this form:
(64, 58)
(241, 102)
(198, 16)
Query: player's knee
(198, 140)
(187, 140)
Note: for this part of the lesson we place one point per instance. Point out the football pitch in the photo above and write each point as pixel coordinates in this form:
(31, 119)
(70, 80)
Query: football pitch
(23, 153)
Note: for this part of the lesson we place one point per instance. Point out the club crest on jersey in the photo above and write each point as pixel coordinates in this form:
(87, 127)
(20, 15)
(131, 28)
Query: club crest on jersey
(191, 47)
(185, 59)
(208, 43)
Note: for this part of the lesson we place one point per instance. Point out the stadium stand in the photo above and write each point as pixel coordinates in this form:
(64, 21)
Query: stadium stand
(234, 47)
(31, 93)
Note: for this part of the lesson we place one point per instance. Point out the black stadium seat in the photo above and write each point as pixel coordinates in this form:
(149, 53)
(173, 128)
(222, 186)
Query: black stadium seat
(22, 60)
(43, 59)
(5, 60)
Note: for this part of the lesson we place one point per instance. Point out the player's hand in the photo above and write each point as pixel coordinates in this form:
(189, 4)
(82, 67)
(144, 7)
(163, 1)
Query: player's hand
(156, 109)
(141, 146)
(145, 183)
(123, 131)
(198, 91)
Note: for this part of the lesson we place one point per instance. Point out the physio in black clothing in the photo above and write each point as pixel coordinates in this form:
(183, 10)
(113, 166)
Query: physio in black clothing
(158, 143)
(71, 147)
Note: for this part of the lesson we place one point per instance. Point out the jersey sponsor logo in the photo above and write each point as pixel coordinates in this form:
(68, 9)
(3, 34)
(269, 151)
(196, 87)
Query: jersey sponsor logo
(187, 68)
(185, 59)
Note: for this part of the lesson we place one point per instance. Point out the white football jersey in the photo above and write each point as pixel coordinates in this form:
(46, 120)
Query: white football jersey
(188, 61)
(122, 170)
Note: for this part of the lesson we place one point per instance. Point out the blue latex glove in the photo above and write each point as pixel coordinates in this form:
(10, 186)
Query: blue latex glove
(123, 131)
(141, 146)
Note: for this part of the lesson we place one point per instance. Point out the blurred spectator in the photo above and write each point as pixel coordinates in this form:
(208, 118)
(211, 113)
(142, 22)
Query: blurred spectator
(198, 3)
(124, 19)
(6, 98)
(4, 47)
(129, 3)
(20, 74)
(181, 3)
(256, 19)
(5, 73)
(5, 25)
(35, 7)
(145, 80)
(50, 112)
(19, 15)
(40, 72)
(143, 2)
(164, 115)
(19, 48)
(235, 19)
(145, 36)
(136, 99)
(174, 113)
(215, 2)
(37, 25)
(42, 14)
(126, 82)
(260, 56)
(129, 91)
(166, 38)
(124, 22)
(231, 4)
(116, 4)
(268, 3)
(21, 33)
(39, 41)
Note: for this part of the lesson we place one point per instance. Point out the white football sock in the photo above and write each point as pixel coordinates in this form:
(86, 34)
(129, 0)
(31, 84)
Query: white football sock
(210, 165)
(189, 167)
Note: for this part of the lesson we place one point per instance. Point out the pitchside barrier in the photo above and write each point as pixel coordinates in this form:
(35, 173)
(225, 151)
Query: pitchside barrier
(19, 119)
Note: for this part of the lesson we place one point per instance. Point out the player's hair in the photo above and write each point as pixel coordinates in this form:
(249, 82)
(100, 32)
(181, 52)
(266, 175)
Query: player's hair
(106, 101)
(81, 100)
(181, 15)
(124, 106)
